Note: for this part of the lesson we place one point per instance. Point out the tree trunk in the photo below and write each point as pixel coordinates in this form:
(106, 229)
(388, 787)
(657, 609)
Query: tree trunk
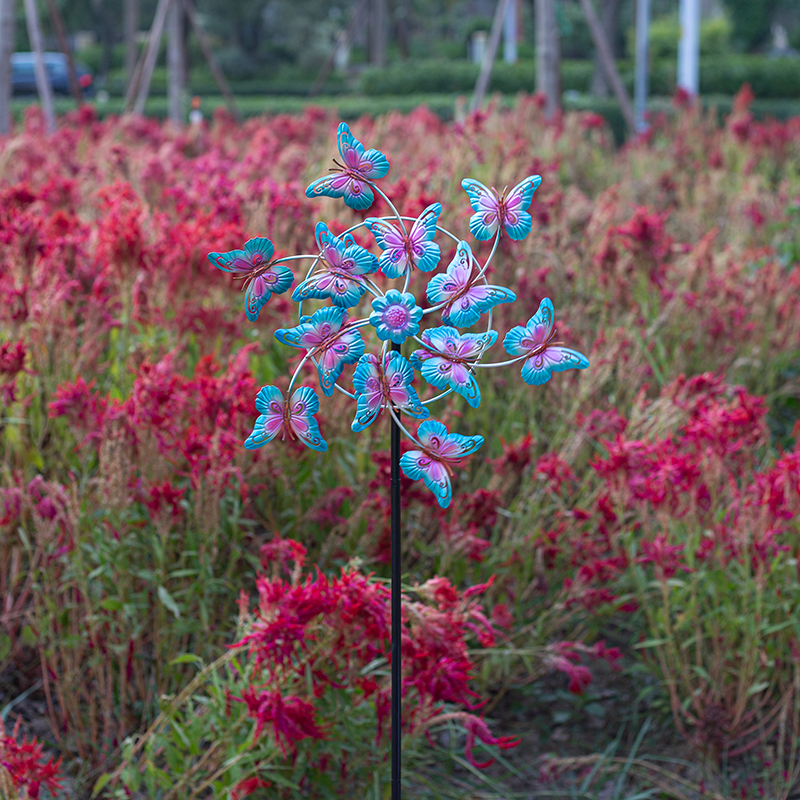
(6, 49)
(131, 29)
(150, 56)
(61, 33)
(377, 38)
(213, 65)
(609, 19)
(482, 84)
(42, 78)
(176, 77)
(106, 36)
(402, 16)
(607, 61)
(548, 56)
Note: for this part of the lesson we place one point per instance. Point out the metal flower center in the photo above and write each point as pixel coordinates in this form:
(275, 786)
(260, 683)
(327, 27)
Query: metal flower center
(396, 316)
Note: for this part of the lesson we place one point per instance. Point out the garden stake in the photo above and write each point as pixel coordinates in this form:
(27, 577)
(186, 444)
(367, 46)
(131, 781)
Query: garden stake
(448, 360)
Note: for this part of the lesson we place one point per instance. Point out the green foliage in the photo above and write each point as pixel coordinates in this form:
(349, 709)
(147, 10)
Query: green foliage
(719, 74)
(751, 21)
(715, 37)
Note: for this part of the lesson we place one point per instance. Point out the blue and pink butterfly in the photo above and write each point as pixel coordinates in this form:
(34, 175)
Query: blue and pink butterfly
(261, 276)
(440, 452)
(447, 359)
(461, 293)
(330, 339)
(544, 356)
(343, 263)
(508, 209)
(403, 251)
(352, 175)
(294, 420)
(379, 383)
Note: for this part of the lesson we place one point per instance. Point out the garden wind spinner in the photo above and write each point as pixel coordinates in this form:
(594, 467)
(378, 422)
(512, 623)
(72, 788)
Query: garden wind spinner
(341, 275)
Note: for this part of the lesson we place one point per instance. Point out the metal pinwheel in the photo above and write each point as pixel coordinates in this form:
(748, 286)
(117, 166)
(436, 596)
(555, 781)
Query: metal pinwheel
(342, 272)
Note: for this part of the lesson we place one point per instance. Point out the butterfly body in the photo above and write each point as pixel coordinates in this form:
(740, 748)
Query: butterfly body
(379, 384)
(447, 358)
(261, 277)
(332, 341)
(433, 464)
(344, 263)
(493, 209)
(544, 355)
(294, 419)
(402, 251)
(463, 297)
(352, 175)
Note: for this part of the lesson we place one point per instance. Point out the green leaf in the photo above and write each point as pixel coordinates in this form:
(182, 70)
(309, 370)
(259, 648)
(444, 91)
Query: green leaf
(169, 601)
(5, 646)
(650, 643)
(29, 638)
(109, 604)
(100, 784)
(187, 658)
(778, 627)
(757, 687)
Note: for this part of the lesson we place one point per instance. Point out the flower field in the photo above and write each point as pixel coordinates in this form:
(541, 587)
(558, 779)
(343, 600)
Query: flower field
(611, 602)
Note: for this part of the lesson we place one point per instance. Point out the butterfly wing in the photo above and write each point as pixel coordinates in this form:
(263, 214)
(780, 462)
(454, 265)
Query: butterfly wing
(304, 405)
(433, 436)
(313, 330)
(357, 260)
(358, 194)
(486, 205)
(538, 369)
(371, 163)
(521, 340)
(328, 186)
(446, 285)
(425, 252)
(466, 310)
(270, 405)
(393, 260)
(342, 292)
(368, 390)
(235, 261)
(417, 464)
(259, 250)
(516, 219)
(441, 373)
(277, 279)
(399, 376)
(459, 446)
(346, 349)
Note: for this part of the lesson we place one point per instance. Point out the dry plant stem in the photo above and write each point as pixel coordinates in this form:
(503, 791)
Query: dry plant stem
(163, 717)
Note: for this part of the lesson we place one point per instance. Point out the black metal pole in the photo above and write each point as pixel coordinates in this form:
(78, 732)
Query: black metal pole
(396, 626)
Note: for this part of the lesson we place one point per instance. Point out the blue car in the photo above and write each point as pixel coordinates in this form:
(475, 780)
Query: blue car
(23, 76)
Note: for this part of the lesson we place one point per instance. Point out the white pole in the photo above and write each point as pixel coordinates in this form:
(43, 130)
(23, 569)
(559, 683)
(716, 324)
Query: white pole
(42, 78)
(510, 33)
(640, 87)
(689, 47)
(6, 48)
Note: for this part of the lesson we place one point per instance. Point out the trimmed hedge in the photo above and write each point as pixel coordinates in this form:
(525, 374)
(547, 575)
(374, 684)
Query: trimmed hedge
(724, 75)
